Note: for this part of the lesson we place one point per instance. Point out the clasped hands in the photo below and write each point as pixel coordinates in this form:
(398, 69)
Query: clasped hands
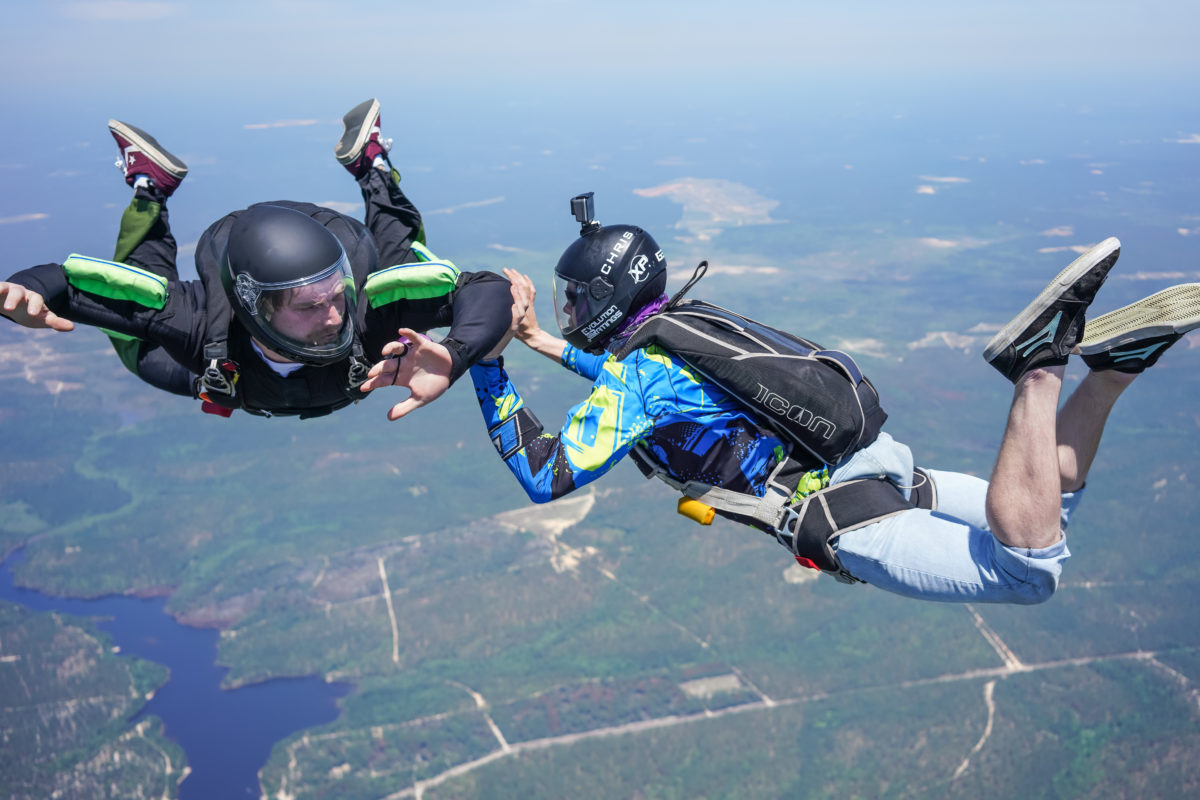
(423, 366)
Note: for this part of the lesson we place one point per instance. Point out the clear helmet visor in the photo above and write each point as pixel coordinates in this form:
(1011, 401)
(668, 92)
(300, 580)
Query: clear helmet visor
(573, 305)
(309, 318)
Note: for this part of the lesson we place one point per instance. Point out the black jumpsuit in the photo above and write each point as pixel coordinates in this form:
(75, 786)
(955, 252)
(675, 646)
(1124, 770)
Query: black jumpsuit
(170, 352)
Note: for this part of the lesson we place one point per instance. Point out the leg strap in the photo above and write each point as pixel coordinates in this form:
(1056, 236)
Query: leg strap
(808, 526)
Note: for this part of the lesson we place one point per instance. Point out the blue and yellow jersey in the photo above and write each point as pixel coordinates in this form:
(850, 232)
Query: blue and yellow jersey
(690, 426)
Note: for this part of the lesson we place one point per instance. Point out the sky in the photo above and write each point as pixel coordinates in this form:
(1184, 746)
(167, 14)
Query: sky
(485, 88)
(126, 44)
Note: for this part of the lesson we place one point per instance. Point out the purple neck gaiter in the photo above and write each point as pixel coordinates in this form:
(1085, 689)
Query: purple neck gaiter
(646, 312)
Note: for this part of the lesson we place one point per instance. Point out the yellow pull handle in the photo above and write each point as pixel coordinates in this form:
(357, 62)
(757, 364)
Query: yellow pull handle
(696, 511)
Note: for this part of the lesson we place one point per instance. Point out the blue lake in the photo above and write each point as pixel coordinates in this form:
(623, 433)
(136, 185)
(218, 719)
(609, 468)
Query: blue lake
(227, 735)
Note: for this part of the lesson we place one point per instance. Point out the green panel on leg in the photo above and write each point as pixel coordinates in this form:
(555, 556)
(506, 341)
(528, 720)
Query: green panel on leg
(139, 217)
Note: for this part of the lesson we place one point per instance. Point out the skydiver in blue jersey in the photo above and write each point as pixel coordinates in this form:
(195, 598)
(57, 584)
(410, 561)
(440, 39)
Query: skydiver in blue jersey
(1001, 541)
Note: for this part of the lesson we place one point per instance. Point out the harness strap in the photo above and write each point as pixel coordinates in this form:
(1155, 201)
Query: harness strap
(844, 361)
(767, 509)
(923, 492)
(359, 366)
(808, 526)
(811, 525)
(220, 377)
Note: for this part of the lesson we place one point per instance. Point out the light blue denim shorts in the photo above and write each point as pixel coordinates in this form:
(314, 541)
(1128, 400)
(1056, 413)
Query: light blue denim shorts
(948, 554)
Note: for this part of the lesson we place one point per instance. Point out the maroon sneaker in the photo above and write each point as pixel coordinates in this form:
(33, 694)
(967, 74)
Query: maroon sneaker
(141, 154)
(361, 143)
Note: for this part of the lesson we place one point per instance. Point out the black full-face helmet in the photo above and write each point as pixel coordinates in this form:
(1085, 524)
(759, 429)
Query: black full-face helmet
(609, 273)
(290, 284)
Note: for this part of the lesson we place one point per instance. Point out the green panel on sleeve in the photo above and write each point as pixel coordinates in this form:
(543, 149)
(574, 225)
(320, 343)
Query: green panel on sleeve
(116, 281)
(418, 281)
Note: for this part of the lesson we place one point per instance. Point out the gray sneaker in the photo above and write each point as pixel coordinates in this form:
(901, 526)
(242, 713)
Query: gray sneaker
(361, 141)
(1132, 338)
(1043, 334)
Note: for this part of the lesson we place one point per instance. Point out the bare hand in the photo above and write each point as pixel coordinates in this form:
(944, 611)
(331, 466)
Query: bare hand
(522, 295)
(528, 331)
(528, 326)
(420, 365)
(28, 308)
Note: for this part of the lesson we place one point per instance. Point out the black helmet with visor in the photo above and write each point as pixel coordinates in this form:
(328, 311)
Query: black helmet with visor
(607, 274)
(290, 284)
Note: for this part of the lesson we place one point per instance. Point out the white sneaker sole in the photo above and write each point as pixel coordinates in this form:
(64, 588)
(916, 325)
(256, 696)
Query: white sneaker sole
(1173, 310)
(344, 154)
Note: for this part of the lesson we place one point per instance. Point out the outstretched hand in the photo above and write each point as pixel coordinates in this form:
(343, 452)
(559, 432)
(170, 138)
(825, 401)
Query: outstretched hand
(419, 364)
(28, 308)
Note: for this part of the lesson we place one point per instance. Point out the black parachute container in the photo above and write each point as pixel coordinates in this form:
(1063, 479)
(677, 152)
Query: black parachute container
(815, 398)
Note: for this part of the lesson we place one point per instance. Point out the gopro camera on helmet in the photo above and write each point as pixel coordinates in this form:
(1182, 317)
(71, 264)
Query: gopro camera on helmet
(584, 209)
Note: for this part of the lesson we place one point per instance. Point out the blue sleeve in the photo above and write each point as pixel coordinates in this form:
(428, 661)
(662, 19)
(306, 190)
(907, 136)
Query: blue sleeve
(582, 363)
(596, 435)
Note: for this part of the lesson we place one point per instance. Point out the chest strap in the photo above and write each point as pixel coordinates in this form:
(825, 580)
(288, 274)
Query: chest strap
(217, 385)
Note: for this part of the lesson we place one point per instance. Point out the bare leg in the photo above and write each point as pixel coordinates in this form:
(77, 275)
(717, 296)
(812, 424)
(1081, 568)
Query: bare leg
(1081, 422)
(1118, 346)
(1023, 498)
